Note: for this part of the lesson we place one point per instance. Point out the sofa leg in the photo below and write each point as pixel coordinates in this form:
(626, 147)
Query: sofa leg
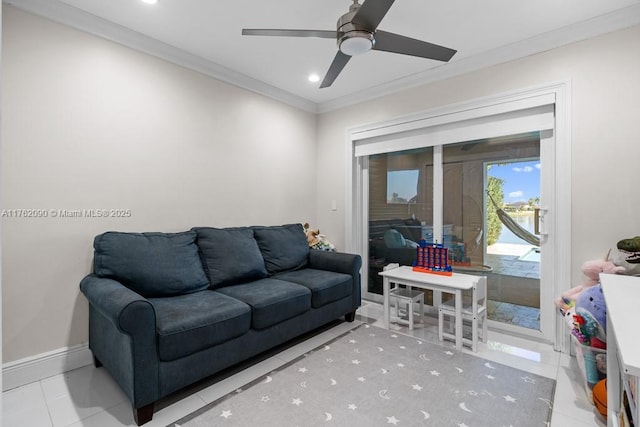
(143, 415)
(96, 362)
(350, 317)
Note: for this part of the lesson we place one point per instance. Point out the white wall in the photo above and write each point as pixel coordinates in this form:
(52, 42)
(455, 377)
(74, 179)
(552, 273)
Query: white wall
(90, 124)
(604, 74)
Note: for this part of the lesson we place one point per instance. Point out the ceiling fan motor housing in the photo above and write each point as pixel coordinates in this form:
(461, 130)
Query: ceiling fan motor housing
(354, 39)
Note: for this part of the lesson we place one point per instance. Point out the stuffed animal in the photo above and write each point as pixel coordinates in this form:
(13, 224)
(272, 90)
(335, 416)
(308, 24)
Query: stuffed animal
(591, 271)
(627, 255)
(316, 240)
(312, 235)
(631, 247)
(591, 315)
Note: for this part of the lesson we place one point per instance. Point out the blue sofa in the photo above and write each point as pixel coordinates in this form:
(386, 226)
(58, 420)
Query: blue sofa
(169, 309)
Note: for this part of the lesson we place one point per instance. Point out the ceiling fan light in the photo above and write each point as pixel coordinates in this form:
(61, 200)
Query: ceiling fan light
(356, 43)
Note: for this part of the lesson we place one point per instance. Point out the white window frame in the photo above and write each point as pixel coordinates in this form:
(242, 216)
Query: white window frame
(517, 111)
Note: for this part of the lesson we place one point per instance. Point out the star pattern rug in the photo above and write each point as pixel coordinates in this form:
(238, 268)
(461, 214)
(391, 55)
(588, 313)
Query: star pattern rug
(375, 377)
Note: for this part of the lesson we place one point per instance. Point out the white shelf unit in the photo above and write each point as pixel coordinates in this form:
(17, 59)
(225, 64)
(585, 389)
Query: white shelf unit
(622, 294)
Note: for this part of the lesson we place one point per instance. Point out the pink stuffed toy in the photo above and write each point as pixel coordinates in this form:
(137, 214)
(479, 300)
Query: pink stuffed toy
(591, 269)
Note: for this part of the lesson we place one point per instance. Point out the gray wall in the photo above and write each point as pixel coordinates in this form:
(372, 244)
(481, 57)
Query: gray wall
(90, 124)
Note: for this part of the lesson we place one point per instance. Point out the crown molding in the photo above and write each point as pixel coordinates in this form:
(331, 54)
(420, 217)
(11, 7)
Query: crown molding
(62, 13)
(614, 21)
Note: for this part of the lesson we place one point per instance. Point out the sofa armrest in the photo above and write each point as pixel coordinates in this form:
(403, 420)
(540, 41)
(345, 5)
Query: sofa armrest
(122, 336)
(340, 262)
(127, 310)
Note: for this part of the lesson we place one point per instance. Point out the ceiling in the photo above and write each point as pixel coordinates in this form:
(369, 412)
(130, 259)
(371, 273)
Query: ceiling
(206, 35)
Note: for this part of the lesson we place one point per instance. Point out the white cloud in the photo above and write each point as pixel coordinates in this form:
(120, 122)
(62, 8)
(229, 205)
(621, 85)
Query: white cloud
(516, 194)
(526, 169)
(537, 165)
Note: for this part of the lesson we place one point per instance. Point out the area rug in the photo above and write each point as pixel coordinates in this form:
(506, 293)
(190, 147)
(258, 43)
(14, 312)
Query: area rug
(374, 377)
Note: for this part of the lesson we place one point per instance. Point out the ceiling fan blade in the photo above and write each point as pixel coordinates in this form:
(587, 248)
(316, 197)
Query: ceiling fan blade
(395, 43)
(371, 13)
(336, 66)
(328, 34)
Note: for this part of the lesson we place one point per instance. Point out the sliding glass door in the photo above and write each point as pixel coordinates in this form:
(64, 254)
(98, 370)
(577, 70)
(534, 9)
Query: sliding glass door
(481, 196)
(491, 189)
(400, 209)
(435, 175)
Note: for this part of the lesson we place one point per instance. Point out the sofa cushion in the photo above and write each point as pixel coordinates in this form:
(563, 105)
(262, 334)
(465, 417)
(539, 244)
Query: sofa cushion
(189, 323)
(272, 301)
(283, 247)
(151, 264)
(325, 286)
(230, 255)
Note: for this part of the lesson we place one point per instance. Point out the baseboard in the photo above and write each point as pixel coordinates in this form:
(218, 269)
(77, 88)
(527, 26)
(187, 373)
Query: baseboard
(45, 365)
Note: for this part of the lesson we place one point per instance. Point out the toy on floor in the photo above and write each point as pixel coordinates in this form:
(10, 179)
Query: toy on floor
(595, 364)
(589, 328)
(584, 328)
(591, 269)
(600, 397)
(590, 318)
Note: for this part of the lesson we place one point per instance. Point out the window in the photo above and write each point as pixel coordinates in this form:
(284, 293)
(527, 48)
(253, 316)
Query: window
(402, 186)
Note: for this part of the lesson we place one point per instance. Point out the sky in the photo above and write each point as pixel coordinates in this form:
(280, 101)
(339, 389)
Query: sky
(521, 180)
(405, 183)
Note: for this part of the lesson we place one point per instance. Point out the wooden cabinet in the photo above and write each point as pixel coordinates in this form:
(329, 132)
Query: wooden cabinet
(622, 295)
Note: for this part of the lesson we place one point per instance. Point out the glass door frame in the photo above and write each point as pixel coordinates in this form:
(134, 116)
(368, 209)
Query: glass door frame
(515, 112)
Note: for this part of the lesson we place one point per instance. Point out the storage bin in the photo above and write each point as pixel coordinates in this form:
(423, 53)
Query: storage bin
(593, 365)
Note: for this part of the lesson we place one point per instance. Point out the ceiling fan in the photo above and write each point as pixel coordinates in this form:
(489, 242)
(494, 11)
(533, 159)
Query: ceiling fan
(357, 33)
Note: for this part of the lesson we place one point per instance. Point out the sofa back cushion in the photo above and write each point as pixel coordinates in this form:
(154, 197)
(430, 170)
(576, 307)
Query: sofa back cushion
(230, 255)
(151, 264)
(283, 247)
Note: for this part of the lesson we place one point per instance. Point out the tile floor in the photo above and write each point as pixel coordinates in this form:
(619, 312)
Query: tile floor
(89, 397)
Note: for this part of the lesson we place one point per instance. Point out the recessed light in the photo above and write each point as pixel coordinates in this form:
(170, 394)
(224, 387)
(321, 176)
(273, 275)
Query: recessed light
(150, 1)
(314, 78)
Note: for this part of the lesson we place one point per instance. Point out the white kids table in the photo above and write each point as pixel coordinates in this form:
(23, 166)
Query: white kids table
(454, 284)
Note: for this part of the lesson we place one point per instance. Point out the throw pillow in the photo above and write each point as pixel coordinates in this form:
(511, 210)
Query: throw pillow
(283, 247)
(230, 255)
(151, 264)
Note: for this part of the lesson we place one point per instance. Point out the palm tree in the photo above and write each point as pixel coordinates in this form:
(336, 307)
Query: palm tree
(533, 202)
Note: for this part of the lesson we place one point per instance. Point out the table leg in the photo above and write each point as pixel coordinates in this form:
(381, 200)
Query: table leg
(385, 306)
(458, 319)
(436, 298)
